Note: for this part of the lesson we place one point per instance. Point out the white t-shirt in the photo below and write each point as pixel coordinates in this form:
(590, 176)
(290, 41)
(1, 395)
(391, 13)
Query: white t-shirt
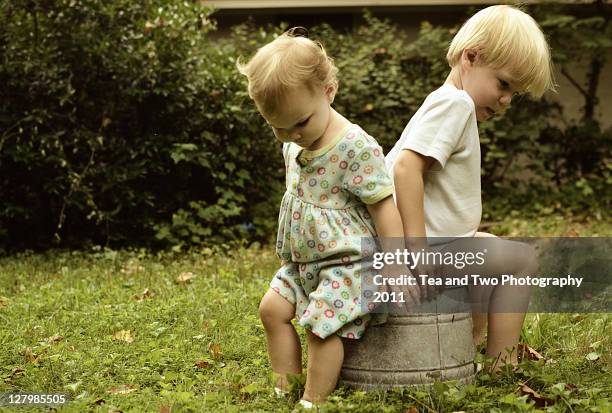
(445, 129)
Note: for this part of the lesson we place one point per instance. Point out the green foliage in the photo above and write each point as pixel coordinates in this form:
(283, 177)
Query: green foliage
(128, 123)
(199, 346)
(121, 121)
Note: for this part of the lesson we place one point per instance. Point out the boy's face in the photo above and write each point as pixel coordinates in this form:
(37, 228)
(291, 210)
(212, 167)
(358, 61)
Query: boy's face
(490, 89)
(303, 117)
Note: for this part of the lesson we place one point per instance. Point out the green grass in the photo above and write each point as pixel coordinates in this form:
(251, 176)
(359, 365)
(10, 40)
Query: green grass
(199, 345)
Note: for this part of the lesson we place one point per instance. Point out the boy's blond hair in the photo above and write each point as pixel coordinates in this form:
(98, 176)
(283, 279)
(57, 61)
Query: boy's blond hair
(288, 61)
(507, 38)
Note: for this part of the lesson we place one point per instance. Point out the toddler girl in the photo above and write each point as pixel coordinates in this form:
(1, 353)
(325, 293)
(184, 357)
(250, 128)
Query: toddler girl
(338, 195)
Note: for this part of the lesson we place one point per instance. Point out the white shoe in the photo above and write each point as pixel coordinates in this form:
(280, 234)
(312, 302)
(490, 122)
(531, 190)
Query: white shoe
(279, 393)
(305, 404)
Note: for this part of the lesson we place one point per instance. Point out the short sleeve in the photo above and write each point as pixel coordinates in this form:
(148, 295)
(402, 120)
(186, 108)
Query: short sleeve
(438, 132)
(286, 152)
(366, 176)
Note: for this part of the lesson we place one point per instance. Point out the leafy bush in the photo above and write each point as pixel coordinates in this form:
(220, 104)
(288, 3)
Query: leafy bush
(120, 121)
(127, 123)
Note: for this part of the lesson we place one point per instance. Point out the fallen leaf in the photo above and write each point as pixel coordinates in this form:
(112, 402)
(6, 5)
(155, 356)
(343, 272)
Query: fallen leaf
(532, 354)
(411, 409)
(123, 335)
(571, 233)
(595, 345)
(113, 409)
(56, 338)
(592, 356)
(17, 371)
(3, 301)
(146, 294)
(185, 277)
(165, 409)
(202, 364)
(215, 350)
(539, 400)
(208, 324)
(29, 355)
(73, 386)
(123, 389)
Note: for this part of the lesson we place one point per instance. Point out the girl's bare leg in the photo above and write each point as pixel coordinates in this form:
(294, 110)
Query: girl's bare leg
(284, 347)
(325, 358)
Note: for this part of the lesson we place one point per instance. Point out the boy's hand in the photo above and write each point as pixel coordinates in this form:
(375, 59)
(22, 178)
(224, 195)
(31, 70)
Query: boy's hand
(403, 298)
(428, 292)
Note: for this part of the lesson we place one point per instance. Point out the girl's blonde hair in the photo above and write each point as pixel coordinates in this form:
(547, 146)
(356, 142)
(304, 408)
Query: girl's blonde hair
(288, 61)
(508, 38)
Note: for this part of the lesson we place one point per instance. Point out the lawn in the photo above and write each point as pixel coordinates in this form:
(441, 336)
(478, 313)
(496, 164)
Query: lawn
(142, 331)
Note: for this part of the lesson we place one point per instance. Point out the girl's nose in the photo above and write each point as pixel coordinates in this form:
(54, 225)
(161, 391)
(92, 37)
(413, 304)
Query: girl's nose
(282, 135)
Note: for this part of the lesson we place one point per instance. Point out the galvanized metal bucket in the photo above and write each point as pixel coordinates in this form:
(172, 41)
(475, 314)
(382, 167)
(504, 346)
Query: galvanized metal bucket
(411, 350)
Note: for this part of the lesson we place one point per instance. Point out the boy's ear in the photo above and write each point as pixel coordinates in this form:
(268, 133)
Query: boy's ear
(469, 57)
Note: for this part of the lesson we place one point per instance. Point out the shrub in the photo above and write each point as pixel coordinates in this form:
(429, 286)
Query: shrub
(128, 123)
(121, 120)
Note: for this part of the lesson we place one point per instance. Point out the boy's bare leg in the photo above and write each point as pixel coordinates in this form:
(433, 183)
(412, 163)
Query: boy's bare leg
(499, 310)
(325, 358)
(479, 327)
(504, 328)
(284, 347)
(480, 319)
(503, 338)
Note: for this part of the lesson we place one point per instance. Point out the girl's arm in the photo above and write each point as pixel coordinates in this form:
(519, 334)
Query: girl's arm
(386, 218)
(388, 225)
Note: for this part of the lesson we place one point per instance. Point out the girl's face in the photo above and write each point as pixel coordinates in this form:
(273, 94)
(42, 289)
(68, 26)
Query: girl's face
(303, 117)
(490, 89)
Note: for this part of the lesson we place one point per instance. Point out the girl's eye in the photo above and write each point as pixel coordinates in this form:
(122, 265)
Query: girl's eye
(504, 84)
(303, 123)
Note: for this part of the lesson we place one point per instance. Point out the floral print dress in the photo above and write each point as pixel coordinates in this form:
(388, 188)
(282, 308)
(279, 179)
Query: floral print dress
(324, 230)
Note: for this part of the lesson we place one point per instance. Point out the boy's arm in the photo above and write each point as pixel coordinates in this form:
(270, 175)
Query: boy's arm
(408, 177)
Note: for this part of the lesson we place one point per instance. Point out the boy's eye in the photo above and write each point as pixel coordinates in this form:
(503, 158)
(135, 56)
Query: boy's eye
(303, 123)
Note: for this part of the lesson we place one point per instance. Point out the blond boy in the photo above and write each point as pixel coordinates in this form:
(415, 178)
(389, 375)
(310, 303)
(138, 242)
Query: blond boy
(498, 53)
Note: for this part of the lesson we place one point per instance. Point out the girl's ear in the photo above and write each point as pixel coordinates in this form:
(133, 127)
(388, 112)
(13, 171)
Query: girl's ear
(330, 92)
